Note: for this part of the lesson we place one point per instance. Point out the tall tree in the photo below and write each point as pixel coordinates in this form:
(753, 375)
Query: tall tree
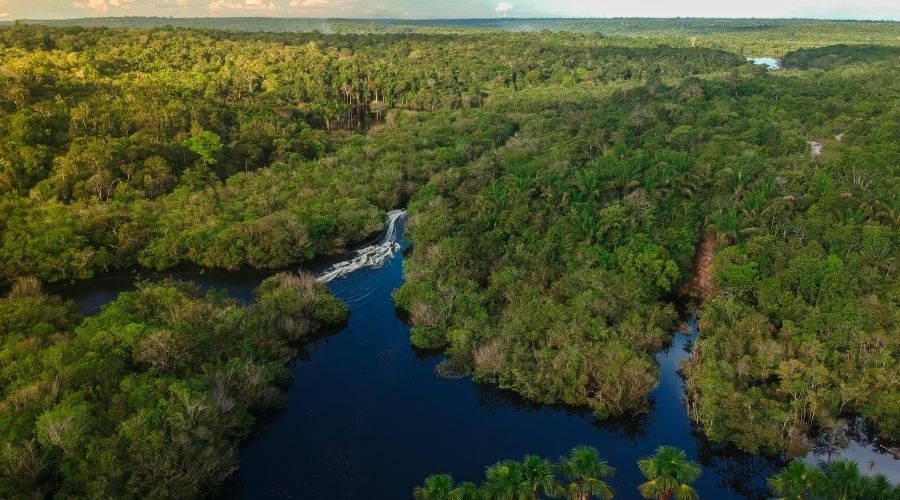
(586, 474)
(539, 475)
(844, 480)
(878, 487)
(504, 481)
(437, 487)
(669, 475)
(796, 481)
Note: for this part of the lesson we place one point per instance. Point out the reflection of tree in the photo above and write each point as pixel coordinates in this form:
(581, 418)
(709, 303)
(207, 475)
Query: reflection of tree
(630, 428)
(742, 473)
(425, 354)
(688, 346)
(829, 441)
(501, 399)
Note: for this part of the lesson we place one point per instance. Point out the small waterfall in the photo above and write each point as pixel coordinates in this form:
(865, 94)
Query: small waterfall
(373, 256)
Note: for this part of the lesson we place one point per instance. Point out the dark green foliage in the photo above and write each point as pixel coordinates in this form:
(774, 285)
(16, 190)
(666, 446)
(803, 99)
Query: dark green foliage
(151, 397)
(545, 266)
(806, 286)
(837, 55)
(840, 479)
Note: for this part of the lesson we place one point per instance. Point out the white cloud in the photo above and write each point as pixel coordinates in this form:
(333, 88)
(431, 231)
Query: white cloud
(94, 5)
(4, 14)
(503, 8)
(222, 6)
(102, 5)
(309, 3)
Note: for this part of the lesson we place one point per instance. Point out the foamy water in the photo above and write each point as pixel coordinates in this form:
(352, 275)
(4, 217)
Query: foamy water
(372, 256)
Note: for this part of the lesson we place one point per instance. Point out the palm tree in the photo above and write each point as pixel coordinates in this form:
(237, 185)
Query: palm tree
(467, 491)
(669, 475)
(437, 487)
(844, 480)
(504, 481)
(728, 223)
(539, 474)
(587, 474)
(878, 487)
(796, 481)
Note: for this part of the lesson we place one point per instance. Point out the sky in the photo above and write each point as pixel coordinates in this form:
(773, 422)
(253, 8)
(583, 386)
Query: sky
(432, 9)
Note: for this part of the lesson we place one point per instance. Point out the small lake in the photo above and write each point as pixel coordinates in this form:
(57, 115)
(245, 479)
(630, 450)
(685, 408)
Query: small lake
(367, 416)
(768, 62)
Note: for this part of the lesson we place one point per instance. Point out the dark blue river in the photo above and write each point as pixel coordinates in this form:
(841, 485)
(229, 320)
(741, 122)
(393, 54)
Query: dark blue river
(368, 417)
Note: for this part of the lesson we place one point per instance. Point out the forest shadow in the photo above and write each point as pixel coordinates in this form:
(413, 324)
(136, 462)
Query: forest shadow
(839, 55)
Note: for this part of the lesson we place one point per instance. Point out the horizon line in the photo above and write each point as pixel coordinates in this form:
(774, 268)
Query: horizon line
(450, 19)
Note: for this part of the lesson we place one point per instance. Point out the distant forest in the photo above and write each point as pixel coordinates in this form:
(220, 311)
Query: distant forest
(760, 36)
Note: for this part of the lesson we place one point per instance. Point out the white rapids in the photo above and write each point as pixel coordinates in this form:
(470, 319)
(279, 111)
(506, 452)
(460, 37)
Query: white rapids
(373, 256)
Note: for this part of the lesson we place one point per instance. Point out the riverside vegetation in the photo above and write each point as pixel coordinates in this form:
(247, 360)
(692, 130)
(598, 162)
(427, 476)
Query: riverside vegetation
(583, 475)
(557, 183)
(150, 397)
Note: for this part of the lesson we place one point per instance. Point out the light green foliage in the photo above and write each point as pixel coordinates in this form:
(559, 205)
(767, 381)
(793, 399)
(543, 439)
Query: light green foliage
(162, 147)
(207, 145)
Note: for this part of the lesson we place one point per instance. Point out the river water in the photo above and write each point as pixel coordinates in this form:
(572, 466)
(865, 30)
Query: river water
(367, 416)
(768, 62)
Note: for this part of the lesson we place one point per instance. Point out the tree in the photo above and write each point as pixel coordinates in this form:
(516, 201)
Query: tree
(504, 481)
(796, 481)
(437, 487)
(586, 473)
(878, 487)
(669, 474)
(539, 475)
(843, 480)
(467, 491)
(206, 145)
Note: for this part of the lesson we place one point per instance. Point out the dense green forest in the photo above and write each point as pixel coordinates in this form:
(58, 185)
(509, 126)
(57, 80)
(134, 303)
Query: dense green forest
(749, 36)
(125, 147)
(547, 267)
(559, 184)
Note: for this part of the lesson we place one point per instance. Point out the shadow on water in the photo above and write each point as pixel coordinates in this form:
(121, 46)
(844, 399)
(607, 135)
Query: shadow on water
(368, 417)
